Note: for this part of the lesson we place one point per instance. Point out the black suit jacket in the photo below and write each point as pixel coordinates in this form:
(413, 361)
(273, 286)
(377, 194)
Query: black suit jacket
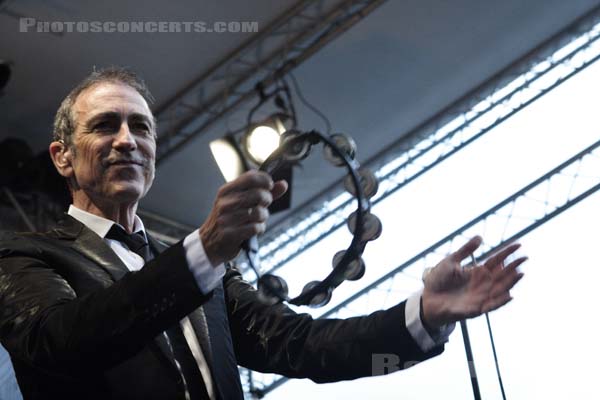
(78, 324)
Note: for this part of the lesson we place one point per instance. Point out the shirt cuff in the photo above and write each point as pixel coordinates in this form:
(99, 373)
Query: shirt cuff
(207, 277)
(424, 339)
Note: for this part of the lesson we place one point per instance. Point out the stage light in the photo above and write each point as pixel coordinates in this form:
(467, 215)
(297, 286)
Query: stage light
(229, 158)
(249, 146)
(263, 138)
(261, 142)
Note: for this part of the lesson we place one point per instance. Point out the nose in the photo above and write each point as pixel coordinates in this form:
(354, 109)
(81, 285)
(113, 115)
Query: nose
(124, 140)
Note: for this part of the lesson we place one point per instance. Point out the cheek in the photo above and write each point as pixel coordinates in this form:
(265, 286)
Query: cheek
(148, 150)
(89, 160)
(86, 161)
(149, 172)
(94, 162)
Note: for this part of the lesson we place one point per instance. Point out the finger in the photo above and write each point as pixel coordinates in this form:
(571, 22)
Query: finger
(245, 200)
(495, 303)
(279, 189)
(503, 276)
(499, 298)
(248, 215)
(506, 284)
(248, 180)
(509, 282)
(513, 265)
(235, 235)
(256, 198)
(467, 249)
(258, 214)
(498, 258)
(246, 231)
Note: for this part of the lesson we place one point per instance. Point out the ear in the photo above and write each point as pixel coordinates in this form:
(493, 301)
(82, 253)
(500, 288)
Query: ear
(62, 158)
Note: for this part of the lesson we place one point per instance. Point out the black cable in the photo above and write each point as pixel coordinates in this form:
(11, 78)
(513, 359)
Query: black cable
(308, 105)
(291, 108)
(469, 352)
(487, 318)
(463, 326)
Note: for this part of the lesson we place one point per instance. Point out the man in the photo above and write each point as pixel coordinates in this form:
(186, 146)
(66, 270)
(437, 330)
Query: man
(91, 310)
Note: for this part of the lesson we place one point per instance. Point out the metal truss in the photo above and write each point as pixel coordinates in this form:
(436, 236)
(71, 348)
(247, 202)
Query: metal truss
(439, 138)
(289, 40)
(509, 220)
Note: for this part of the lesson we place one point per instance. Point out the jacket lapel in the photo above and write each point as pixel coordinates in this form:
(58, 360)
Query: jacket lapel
(92, 246)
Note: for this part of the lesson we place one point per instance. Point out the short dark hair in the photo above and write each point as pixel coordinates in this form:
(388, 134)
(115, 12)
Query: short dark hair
(64, 121)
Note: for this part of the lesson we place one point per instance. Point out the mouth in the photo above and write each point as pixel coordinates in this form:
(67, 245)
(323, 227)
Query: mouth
(125, 163)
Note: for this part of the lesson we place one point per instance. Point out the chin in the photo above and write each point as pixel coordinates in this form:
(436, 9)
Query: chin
(127, 194)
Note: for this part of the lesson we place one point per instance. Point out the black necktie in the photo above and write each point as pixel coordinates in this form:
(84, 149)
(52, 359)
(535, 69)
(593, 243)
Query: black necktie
(136, 242)
(182, 354)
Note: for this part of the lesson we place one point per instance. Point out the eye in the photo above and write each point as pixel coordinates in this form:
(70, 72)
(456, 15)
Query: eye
(140, 127)
(105, 126)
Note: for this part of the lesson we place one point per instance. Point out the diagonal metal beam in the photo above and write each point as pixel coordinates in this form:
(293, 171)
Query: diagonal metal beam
(291, 39)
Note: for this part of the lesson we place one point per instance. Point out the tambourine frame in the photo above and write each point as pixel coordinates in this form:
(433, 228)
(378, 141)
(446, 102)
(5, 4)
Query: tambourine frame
(284, 156)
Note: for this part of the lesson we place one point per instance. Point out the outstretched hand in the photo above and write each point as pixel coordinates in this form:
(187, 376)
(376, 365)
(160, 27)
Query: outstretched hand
(453, 293)
(239, 212)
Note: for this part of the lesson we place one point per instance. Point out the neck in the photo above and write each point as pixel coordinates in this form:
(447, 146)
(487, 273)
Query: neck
(121, 213)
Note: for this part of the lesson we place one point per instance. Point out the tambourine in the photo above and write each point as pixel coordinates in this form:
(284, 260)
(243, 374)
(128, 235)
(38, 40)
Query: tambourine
(348, 264)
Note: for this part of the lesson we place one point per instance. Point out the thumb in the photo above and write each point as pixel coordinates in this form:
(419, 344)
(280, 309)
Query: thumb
(279, 189)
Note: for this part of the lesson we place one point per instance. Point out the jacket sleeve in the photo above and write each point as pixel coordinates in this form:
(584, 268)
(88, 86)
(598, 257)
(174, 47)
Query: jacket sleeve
(45, 324)
(277, 340)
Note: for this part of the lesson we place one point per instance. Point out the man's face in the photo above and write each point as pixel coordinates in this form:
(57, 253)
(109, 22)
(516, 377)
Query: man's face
(114, 145)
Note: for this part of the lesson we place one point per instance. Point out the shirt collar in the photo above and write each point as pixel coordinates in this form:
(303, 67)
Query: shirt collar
(101, 225)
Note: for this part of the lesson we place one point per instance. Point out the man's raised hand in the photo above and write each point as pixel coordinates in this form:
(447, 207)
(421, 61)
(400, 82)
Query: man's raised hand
(453, 293)
(239, 212)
